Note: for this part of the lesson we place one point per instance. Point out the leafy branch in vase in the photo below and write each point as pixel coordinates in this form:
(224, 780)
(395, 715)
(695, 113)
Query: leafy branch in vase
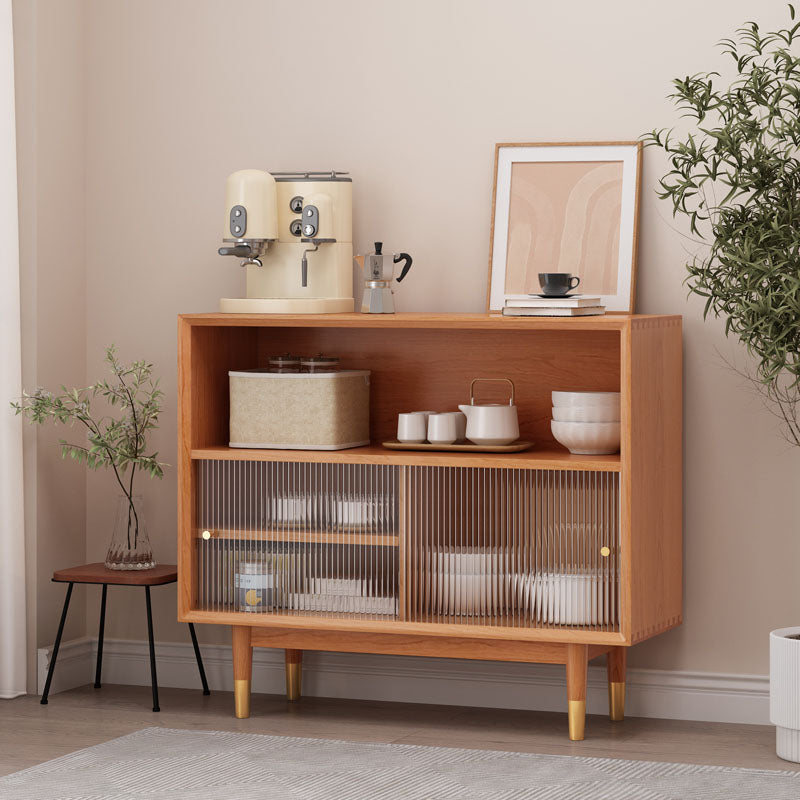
(116, 443)
(735, 177)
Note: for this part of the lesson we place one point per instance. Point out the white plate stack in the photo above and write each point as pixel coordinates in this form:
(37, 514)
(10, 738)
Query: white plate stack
(467, 583)
(558, 598)
(587, 423)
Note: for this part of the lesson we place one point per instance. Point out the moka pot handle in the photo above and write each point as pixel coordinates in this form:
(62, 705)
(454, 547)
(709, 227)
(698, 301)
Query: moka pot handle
(406, 267)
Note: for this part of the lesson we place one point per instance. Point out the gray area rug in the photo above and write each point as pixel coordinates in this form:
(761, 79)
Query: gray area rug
(164, 764)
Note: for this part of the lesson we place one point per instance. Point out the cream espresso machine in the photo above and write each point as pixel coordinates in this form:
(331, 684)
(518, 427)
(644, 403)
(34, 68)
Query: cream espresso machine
(294, 234)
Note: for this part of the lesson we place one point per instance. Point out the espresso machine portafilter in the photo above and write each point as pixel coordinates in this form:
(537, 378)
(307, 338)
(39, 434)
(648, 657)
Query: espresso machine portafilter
(294, 234)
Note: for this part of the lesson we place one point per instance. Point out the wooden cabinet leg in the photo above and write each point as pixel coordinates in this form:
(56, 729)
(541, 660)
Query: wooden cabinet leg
(616, 662)
(577, 668)
(294, 674)
(242, 670)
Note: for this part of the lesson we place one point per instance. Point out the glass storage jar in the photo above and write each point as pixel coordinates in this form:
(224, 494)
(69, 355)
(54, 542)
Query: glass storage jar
(284, 363)
(320, 363)
(254, 583)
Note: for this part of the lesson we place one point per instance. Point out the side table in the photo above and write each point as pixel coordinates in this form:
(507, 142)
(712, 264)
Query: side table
(160, 575)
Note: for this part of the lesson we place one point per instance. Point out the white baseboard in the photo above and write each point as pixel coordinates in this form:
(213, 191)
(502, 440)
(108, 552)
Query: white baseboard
(73, 667)
(703, 696)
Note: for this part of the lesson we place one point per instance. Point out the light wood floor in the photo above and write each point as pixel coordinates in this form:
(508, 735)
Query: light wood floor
(31, 733)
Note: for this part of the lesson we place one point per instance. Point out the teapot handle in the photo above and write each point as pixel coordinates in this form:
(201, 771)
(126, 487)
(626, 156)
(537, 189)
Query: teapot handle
(406, 267)
(475, 380)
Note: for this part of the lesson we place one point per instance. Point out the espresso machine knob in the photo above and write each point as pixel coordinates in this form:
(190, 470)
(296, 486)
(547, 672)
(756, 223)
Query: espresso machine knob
(310, 221)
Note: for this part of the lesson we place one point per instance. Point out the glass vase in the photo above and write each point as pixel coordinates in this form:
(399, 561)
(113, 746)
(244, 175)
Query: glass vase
(130, 545)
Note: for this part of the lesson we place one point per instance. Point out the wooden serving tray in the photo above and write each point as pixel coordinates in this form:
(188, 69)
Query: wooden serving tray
(515, 447)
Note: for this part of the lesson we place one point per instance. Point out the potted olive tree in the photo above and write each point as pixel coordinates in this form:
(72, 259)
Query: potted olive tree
(115, 443)
(735, 176)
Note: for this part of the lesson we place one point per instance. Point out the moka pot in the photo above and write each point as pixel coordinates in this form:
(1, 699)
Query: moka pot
(378, 270)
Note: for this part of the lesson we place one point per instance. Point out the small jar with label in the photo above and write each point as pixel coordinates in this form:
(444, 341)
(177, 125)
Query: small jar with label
(320, 363)
(254, 583)
(284, 363)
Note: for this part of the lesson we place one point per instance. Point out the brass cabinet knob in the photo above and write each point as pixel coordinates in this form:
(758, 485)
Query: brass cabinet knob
(207, 535)
(605, 551)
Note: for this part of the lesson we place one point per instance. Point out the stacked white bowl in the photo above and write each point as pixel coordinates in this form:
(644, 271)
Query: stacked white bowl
(587, 423)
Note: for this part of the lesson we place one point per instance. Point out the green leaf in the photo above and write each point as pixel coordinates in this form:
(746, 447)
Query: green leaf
(111, 442)
(734, 176)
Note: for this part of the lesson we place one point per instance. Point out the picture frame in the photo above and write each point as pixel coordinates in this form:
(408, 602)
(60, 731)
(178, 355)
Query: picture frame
(584, 196)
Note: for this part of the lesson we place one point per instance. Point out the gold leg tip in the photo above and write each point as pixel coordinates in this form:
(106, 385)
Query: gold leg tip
(294, 676)
(577, 720)
(616, 701)
(241, 698)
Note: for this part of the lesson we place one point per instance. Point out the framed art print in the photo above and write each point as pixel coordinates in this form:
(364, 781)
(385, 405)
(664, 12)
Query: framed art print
(565, 208)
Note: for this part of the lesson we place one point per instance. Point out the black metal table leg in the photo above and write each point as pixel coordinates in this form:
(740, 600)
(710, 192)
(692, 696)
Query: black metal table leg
(153, 678)
(199, 659)
(100, 638)
(52, 667)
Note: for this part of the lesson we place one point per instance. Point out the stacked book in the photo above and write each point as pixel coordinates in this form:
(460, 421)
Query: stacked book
(534, 305)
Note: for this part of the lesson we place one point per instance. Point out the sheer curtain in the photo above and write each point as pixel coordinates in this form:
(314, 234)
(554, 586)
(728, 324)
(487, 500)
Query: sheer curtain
(12, 531)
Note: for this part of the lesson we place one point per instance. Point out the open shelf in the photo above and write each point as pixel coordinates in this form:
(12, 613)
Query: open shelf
(415, 362)
(306, 536)
(546, 458)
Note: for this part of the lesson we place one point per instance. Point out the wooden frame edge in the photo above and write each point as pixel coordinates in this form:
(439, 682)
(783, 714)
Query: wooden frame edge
(625, 485)
(185, 469)
(636, 211)
(491, 228)
(636, 214)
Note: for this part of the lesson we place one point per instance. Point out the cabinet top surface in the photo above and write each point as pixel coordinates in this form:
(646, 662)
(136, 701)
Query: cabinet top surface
(426, 320)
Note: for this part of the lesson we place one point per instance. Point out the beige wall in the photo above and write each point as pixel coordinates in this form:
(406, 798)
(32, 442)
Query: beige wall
(50, 66)
(411, 97)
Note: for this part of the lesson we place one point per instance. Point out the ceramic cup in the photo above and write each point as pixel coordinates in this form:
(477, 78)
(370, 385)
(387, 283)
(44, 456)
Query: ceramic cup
(461, 426)
(442, 428)
(426, 416)
(412, 427)
(556, 284)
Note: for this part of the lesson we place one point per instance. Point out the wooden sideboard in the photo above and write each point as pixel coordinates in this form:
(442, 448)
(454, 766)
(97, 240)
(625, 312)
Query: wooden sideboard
(538, 556)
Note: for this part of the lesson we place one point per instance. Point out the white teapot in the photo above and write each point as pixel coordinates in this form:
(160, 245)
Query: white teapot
(491, 423)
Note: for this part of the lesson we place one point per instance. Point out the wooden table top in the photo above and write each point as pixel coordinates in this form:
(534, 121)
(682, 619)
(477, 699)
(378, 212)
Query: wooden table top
(98, 573)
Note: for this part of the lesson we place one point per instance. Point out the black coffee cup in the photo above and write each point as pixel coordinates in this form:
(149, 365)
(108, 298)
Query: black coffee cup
(556, 284)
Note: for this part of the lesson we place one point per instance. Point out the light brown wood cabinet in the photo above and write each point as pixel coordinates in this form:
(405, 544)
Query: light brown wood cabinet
(538, 556)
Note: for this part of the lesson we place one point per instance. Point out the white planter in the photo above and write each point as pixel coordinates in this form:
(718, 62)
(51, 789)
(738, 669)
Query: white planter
(784, 691)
